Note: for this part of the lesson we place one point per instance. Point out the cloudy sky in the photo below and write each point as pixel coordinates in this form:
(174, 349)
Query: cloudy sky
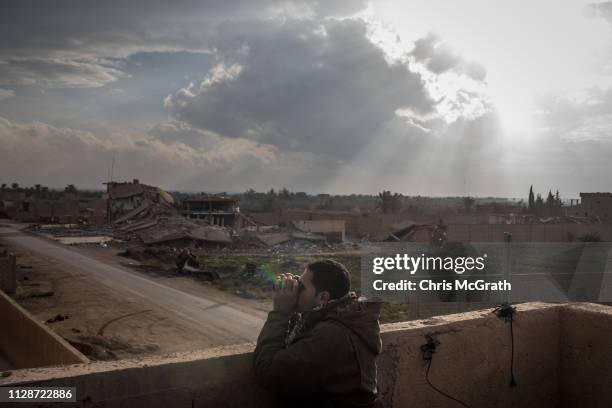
(430, 97)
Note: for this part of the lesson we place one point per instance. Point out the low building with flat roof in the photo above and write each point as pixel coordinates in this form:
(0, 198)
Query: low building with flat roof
(216, 210)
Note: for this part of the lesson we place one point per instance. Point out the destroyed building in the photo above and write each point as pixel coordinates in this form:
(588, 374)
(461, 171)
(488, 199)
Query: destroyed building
(127, 199)
(215, 210)
(593, 205)
(148, 214)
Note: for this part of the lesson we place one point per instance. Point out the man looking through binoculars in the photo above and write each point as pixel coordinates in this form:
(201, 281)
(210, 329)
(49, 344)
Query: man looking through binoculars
(319, 344)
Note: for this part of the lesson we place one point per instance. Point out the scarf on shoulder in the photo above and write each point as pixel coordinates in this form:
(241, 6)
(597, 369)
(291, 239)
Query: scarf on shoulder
(299, 323)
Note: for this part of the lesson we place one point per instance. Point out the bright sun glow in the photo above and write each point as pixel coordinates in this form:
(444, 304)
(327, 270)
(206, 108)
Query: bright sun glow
(527, 48)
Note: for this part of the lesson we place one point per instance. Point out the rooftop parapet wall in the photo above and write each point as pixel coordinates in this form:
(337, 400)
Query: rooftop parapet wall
(562, 359)
(472, 361)
(26, 343)
(586, 356)
(8, 273)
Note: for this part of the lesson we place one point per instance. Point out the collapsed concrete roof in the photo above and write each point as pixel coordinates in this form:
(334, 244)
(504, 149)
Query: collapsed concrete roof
(124, 190)
(211, 198)
(156, 221)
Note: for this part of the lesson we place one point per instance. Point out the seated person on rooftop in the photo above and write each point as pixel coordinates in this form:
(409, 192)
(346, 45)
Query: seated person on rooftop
(319, 345)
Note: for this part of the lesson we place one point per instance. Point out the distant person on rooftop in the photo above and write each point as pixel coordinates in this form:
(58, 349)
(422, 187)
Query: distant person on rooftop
(319, 345)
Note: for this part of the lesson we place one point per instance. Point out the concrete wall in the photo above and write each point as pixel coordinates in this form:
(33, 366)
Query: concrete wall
(26, 343)
(525, 232)
(357, 224)
(333, 230)
(586, 356)
(597, 204)
(8, 273)
(378, 226)
(220, 378)
(472, 363)
(562, 359)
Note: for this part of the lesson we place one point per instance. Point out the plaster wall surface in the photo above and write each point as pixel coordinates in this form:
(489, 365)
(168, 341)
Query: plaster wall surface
(586, 356)
(27, 343)
(8, 273)
(472, 361)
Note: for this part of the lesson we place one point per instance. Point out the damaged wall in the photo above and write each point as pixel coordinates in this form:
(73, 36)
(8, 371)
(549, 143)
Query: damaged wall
(332, 230)
(127, 199)
(357, 225)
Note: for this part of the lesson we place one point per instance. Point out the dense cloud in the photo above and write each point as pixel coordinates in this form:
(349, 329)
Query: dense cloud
(53, 156)
(54, 73)
(578, 117)
(6, 93)
(61, 43)
(286, 95)
(439, 57)
(603, 9)
(288, 98)
(177, 156)
(269, 93)
(301, 85)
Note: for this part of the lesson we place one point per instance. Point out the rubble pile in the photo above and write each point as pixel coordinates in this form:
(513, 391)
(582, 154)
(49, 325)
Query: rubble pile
(172, 229)
(143, 215)
(149, 203)
(148, 215)
(71, 230)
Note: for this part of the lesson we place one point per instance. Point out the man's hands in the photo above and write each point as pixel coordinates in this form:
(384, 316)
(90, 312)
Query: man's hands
(286, 296)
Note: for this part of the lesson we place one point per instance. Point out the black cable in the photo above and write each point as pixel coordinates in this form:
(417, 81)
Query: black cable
(512, 380)
(437, 389)
(506, 312)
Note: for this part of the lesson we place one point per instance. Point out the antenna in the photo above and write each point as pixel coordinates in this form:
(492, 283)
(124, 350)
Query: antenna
(112, 167)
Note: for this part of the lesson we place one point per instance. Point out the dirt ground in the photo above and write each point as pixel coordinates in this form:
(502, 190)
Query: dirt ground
(101, 323)
(107, 325)
(232, 265)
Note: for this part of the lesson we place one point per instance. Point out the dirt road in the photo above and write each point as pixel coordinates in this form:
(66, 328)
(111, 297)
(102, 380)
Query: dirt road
(213, 316)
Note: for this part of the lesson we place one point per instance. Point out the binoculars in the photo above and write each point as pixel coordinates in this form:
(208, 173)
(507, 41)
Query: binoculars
(280, 281)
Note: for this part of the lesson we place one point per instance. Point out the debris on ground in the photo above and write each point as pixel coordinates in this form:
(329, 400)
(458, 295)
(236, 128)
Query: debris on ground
(408, 231)
(28, 289)
(188, 263)
(101, 348)
(57, 318)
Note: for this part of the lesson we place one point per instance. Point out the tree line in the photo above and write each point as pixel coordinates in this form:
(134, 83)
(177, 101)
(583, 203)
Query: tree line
(46, 193)
(552, 206)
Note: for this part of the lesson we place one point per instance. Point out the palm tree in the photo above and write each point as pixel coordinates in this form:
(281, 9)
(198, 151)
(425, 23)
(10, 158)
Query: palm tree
(70, 188)
(389, 202)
